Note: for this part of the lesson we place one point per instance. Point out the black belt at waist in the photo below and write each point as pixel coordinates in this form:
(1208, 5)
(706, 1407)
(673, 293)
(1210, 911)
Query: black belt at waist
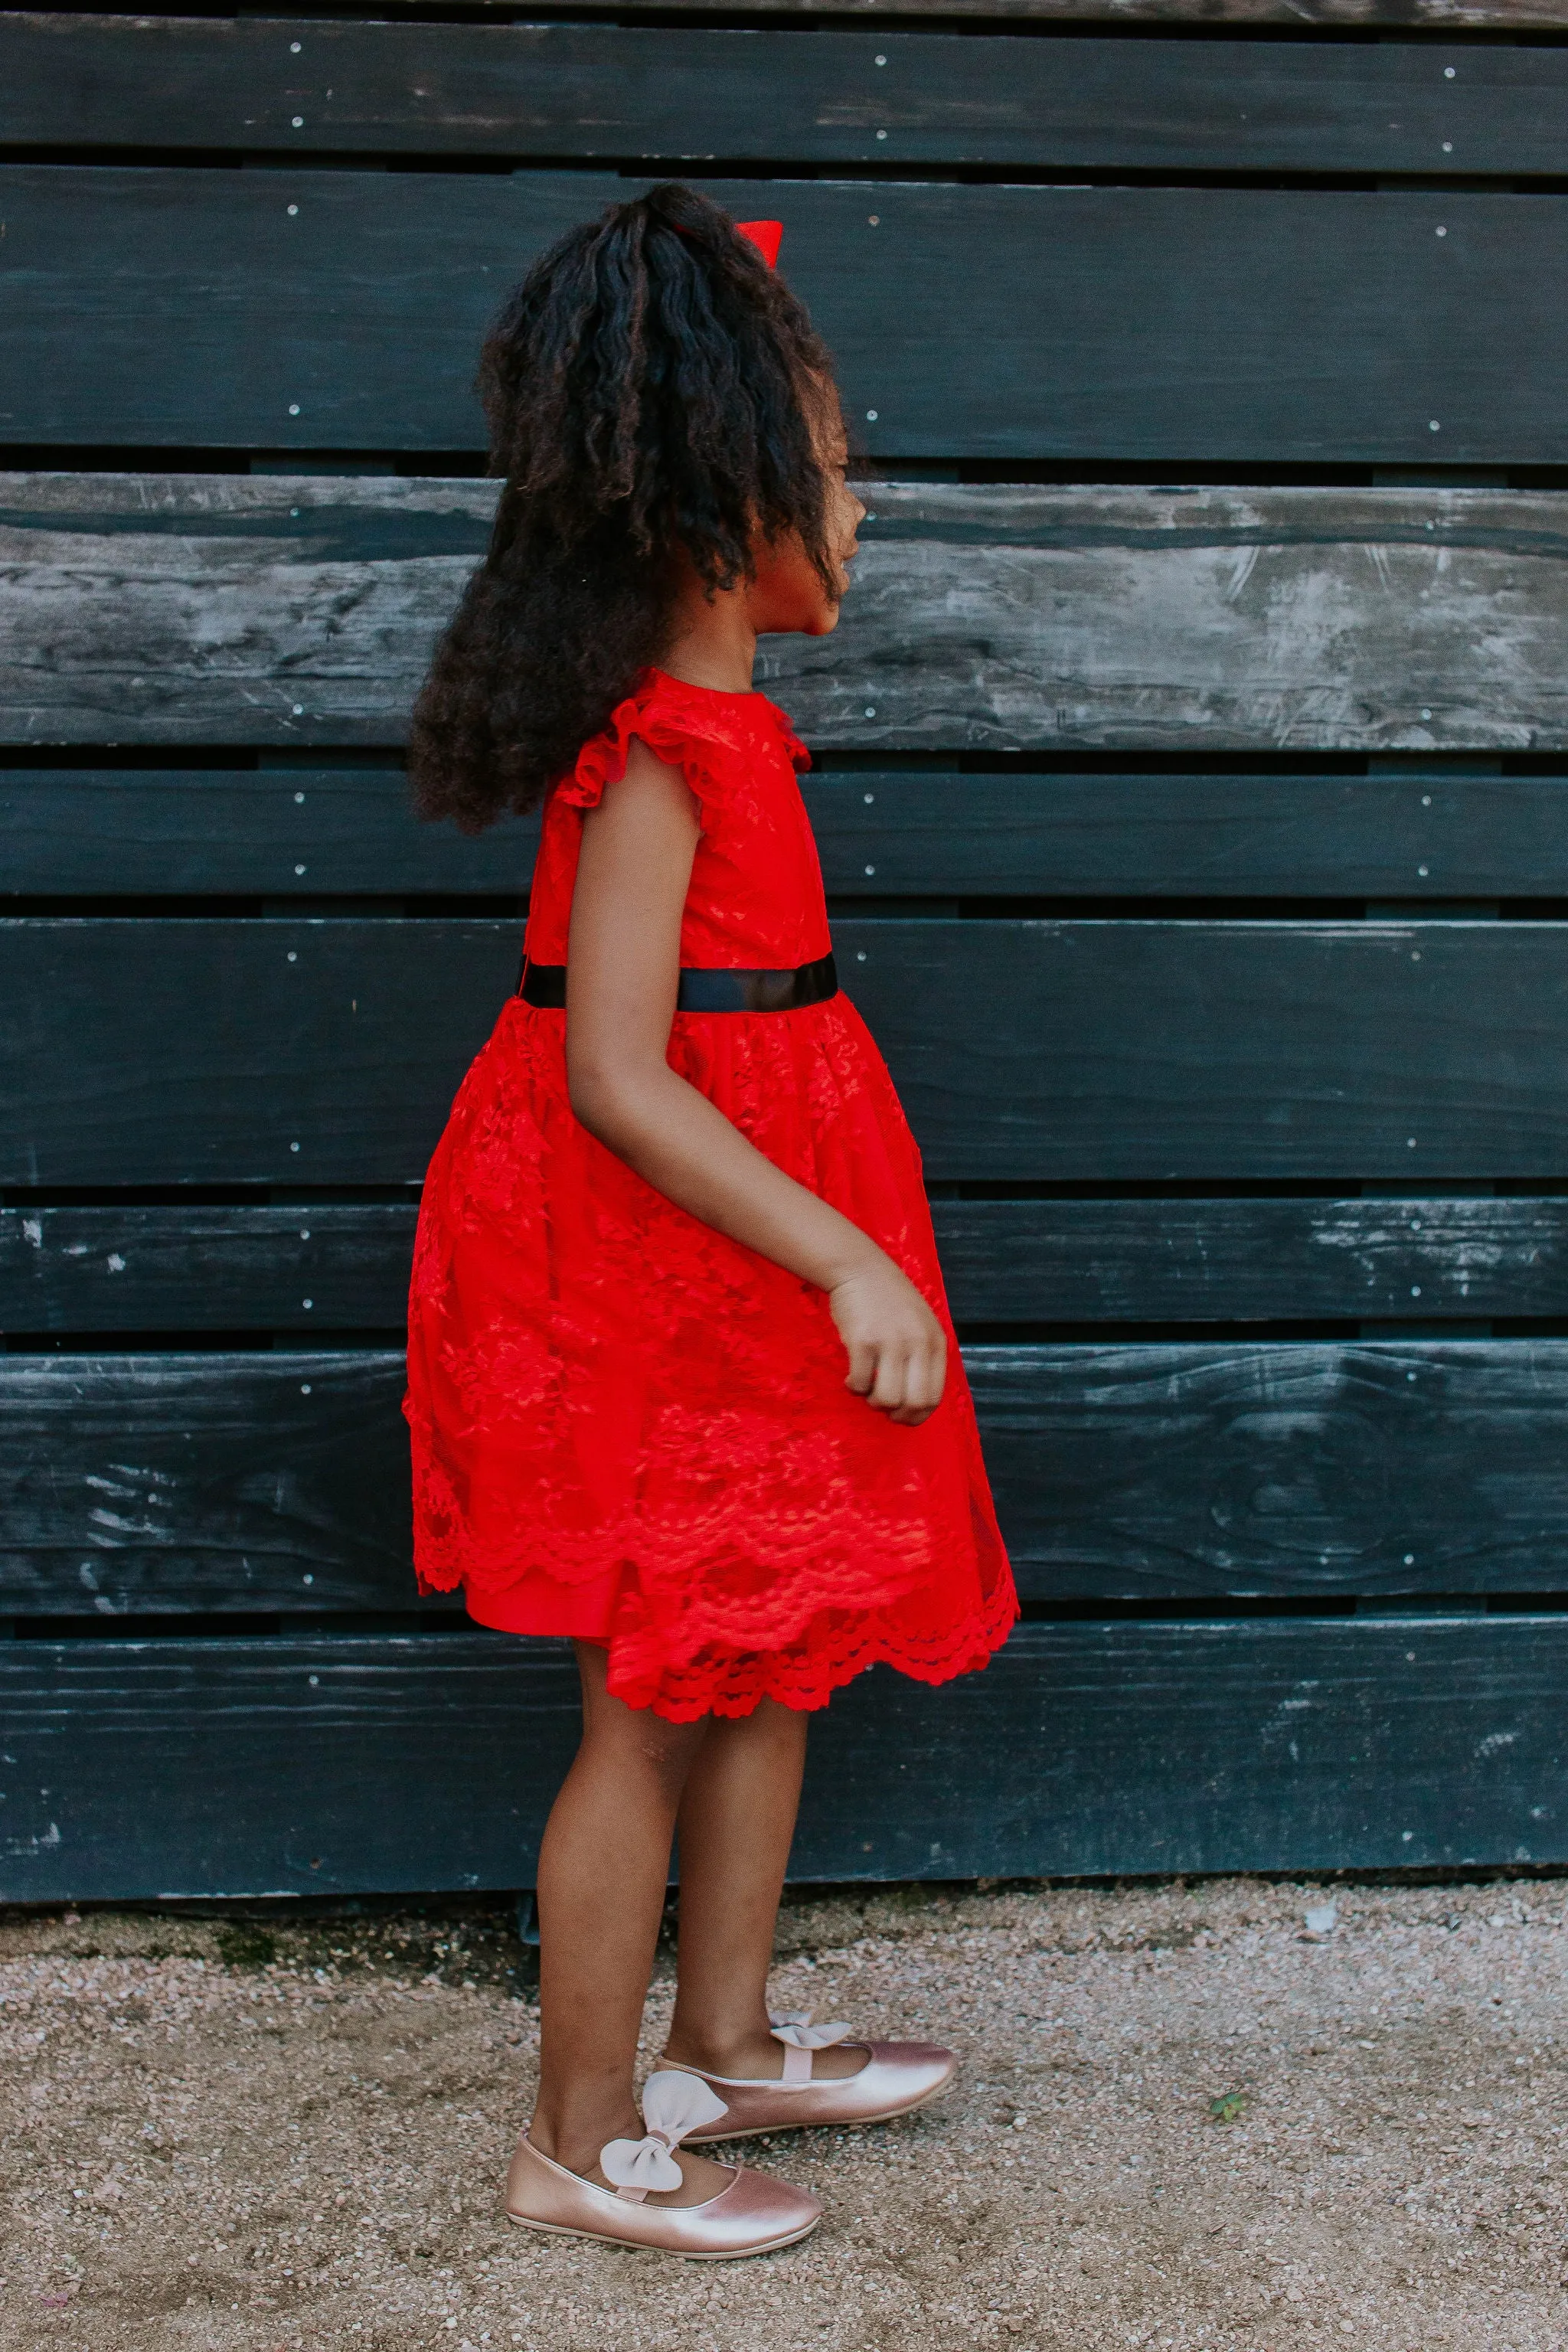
(705, 991)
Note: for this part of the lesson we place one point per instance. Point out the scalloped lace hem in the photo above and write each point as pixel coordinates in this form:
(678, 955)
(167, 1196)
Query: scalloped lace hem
(804, 1676)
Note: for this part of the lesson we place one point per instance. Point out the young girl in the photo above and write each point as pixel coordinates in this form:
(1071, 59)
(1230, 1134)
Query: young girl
(681, 1385)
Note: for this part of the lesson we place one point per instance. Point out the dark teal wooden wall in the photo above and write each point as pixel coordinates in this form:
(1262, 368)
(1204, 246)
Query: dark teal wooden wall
(1193, 771)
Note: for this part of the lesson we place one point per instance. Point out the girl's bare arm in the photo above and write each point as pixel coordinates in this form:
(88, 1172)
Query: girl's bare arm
(622, 974)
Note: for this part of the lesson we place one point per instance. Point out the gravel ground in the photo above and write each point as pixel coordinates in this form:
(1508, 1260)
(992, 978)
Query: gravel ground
(1188, 2120)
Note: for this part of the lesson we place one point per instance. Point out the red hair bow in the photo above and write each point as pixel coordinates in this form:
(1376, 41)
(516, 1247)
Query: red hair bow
(765, 236)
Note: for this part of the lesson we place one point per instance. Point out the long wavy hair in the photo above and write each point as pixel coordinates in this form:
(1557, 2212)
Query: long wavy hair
(654, 391)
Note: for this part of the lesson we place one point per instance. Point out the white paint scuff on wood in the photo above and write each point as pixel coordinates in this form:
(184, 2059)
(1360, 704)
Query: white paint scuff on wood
(272, 610)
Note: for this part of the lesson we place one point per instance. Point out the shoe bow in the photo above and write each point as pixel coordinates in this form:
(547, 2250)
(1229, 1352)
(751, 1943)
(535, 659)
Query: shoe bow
(794, 2029)
(673, 2103)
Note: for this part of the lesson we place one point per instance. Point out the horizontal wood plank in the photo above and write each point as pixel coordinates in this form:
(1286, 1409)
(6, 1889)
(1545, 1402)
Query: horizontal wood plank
(302, 85)
(325, 1266)
(1272, 1468)
(1112, 324)
(1420, 832)
(148, 1484)
(1181, 1471)
(1412, 833)
(299, 610)
(1156, 1052)
(216, 1050)
(270, 833)
(327, 1051)
(1186, 1261)
(345, 1266)
(1395, 15)
(1399, 15)
(315, 1767)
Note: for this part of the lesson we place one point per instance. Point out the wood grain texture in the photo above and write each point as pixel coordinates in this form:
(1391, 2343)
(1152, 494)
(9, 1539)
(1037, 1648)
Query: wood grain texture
(304, 86)
(158, 307)
(327, 1051)
(1399, 15)
(1181, 1471)
(1156, 1052)
(270, 833)
(292, 611)
(345, 1266)
(1015, 619)
(329, 1266)
(205, 1048)
(1278, 1467)
(136, 1483)
(1181, 1261)
(1418, 833)
(225, 609)
(385, 1765)
(1394, 15)
(1423, 831)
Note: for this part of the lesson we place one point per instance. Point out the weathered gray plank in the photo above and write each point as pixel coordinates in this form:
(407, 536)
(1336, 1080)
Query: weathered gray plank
(277, 1483)
(223, 609)
(1015, 619)
(299, 86)
(327, 1051)
(384, 1764)
(1396, 15)
(345, 1266)
(1540, 15)
(1422, 831)
(1105, 325)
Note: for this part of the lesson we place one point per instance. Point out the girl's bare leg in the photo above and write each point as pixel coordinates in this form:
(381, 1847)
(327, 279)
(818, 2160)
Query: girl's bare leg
(736, 1819)
(603, 1869)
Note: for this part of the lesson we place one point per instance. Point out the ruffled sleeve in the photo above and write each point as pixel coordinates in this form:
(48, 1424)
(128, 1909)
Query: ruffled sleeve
(711, 737)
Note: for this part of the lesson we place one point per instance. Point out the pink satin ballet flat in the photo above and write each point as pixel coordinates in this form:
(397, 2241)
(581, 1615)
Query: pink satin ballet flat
(898, 2077)
(751, 2215)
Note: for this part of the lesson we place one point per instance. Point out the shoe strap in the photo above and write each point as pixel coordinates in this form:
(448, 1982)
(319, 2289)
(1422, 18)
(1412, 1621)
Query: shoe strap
(800, 2039)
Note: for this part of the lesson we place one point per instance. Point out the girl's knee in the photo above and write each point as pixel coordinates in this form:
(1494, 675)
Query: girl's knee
(667, 1749)
(639, 1741)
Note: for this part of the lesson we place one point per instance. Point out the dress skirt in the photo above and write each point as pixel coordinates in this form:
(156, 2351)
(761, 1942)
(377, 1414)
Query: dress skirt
(629, 1429)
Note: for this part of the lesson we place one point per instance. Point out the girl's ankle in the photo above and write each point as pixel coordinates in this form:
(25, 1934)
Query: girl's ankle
(567, 2142)
(737, 2056)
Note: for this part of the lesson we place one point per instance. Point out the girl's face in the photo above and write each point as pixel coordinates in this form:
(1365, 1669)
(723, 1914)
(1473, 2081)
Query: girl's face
(788, 593)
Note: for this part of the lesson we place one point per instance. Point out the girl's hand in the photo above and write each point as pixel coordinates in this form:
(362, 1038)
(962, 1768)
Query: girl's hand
(897, 1348)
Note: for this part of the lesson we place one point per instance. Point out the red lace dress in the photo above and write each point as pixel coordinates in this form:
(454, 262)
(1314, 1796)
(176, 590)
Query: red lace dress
(628, 1428)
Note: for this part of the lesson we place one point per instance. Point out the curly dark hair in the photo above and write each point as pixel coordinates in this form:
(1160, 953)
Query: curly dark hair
(652, 389)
